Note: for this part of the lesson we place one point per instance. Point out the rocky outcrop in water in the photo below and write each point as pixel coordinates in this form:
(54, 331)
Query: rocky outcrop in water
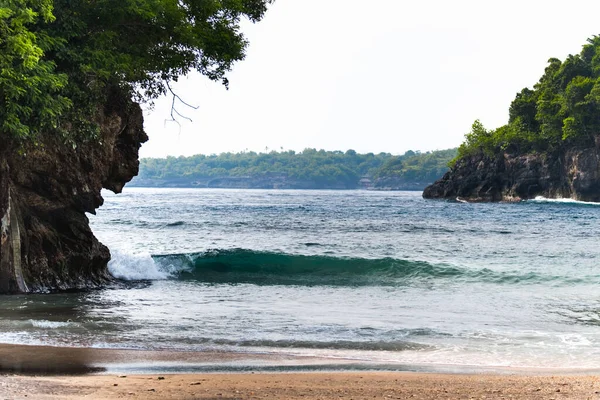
(45, 190)
(567, 173)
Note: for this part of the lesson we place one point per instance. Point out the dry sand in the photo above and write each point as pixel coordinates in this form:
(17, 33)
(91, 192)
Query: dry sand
(371, 385)
(66, 375)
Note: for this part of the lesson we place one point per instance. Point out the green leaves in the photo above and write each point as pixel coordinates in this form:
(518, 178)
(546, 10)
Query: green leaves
(563, 106)
(29, 86)
(56, 54)
(146, 43)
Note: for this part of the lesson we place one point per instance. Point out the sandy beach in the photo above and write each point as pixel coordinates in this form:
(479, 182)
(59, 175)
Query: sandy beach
(369, 385)
(39, 372)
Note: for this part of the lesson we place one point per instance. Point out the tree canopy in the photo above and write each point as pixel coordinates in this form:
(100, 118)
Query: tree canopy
(315, 168)
(58, 57)
(563, 107)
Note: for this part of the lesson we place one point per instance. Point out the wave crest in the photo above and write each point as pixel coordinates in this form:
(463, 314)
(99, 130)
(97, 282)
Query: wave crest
(45, 324)
(267, 268)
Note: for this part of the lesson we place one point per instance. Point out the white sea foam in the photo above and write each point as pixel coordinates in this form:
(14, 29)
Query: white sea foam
(133, 267)
(45, 324)
(542, 199)
(21, 337)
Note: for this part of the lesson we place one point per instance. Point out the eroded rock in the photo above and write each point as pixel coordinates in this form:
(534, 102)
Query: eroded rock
(45, 191)
(567, 173)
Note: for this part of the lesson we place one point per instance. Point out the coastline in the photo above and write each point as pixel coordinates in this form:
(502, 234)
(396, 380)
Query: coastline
(20, 359)
(43, 372)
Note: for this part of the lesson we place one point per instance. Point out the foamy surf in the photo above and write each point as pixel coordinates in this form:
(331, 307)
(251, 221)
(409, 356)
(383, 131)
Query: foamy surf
(45, 324)
(135, 267)
(542, 199)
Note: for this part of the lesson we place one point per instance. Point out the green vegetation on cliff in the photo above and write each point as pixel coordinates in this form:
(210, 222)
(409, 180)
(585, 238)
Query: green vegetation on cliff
(562, 108)
(310, 168)
(60, 59)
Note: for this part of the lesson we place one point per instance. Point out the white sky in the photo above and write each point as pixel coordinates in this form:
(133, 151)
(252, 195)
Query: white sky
(373, 75)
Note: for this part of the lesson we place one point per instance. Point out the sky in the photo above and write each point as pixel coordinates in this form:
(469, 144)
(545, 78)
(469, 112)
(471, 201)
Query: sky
(372, 76)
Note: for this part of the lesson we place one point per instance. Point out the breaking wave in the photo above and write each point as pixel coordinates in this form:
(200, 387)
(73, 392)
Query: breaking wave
(268, 268)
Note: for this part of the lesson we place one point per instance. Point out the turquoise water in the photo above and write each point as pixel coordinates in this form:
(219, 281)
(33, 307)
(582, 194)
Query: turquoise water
(374, 277)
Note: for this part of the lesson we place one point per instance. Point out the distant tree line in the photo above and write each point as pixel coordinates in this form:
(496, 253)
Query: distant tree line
(310, 168)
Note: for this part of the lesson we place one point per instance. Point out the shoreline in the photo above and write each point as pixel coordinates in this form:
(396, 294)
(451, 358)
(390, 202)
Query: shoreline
(43, 372)
(24, 359)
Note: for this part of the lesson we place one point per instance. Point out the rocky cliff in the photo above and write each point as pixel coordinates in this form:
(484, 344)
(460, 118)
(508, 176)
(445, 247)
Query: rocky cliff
(45, 190)
(570, 172)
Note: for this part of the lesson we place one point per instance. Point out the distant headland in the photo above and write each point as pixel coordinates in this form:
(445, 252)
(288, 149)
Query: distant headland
(550, 146)
(309, 169)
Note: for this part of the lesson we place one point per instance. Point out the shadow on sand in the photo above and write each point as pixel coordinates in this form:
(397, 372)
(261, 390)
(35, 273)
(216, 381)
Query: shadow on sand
(39, 360)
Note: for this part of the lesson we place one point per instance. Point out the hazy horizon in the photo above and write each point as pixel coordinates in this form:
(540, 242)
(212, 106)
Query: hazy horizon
(390, 76)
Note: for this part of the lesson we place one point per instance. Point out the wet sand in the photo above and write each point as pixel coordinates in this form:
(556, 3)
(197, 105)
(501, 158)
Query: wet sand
(47, 360)
(37, 372)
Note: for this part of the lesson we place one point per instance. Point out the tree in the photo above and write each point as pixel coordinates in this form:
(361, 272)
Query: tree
(29, 87)
(523, 110)
(58, 54)
(563, 107)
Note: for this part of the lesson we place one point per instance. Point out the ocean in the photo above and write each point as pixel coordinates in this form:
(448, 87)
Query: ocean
(352, 278)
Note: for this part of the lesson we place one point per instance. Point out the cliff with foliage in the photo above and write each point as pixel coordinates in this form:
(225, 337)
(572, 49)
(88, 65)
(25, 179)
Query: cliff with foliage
(71, 75)
(550, 146)
(46, 190)
(309, 169)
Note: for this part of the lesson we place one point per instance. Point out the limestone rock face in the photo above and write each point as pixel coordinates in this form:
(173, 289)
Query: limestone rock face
(45, 190)
(568, 173)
